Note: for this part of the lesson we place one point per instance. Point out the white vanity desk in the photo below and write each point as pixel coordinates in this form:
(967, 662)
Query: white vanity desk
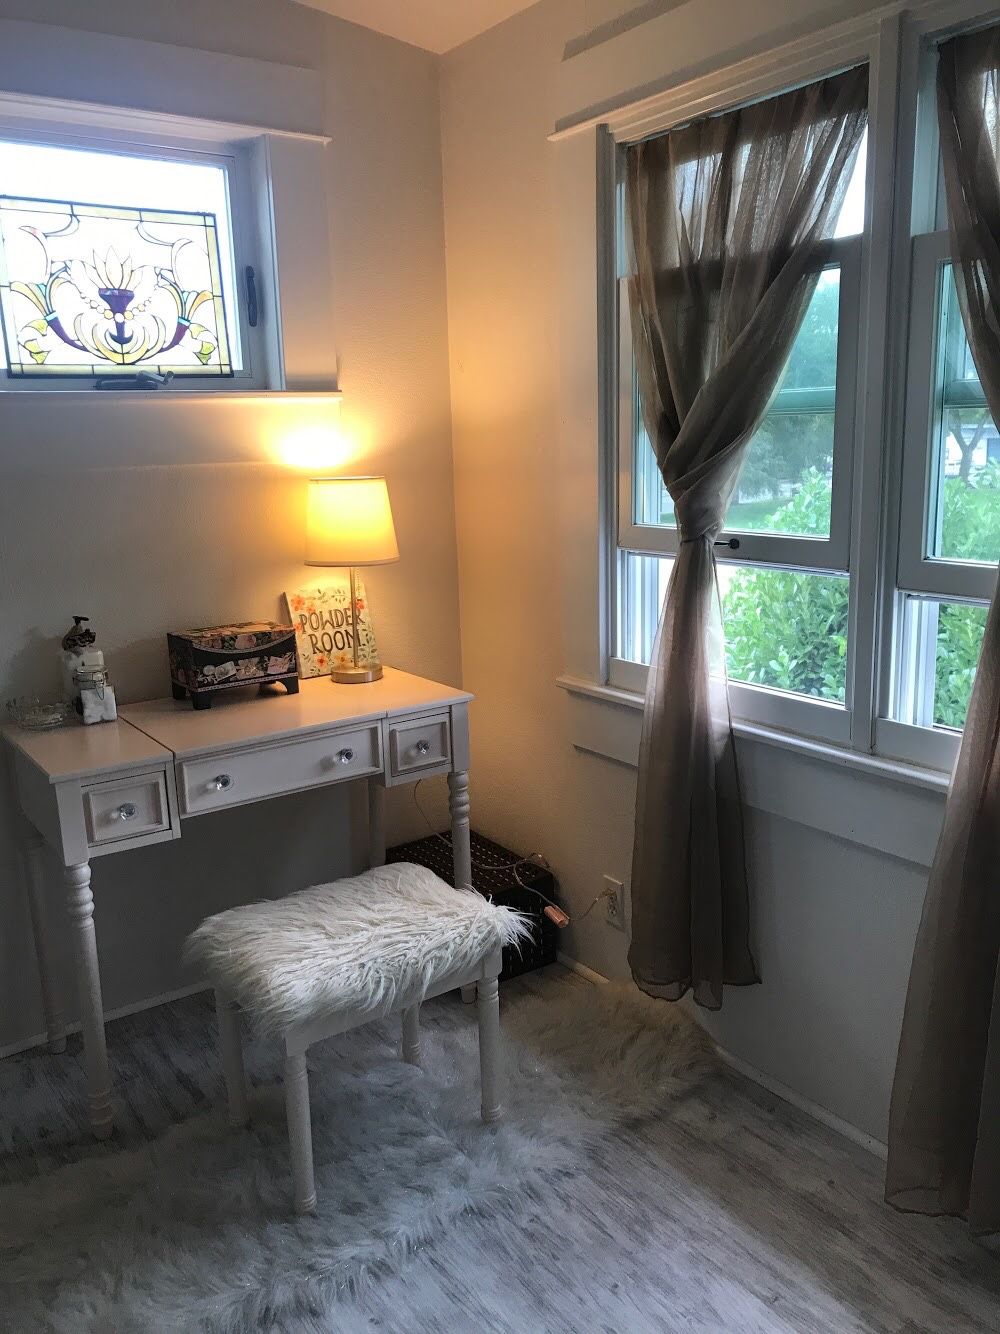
(91, 791)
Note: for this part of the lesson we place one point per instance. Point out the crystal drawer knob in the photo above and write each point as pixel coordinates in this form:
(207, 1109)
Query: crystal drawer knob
(127, 811)
(423, 747)
(345, 756)
(222, 783)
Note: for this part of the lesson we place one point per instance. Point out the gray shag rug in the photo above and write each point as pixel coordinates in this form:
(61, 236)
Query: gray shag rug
(194, 1231)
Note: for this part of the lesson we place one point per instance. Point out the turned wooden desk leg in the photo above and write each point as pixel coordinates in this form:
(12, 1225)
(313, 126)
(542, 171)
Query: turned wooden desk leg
(376, 823)
(461, 851)
(458, 806)
(33, 860)
(489, 1049)
(81, 911)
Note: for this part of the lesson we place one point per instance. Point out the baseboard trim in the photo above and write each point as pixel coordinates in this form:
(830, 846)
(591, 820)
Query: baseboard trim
(575, 966)
(751, 1072)
(122, 1012)
(813, 1109)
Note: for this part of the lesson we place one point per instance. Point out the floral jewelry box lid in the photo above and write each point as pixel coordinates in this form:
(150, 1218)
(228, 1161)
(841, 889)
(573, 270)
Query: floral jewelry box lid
(221, 657)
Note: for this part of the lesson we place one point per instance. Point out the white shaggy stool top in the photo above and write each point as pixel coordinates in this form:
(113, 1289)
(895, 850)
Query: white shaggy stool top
(368, 943)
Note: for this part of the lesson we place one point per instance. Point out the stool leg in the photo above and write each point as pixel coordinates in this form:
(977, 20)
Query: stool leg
(469, 994)
(490, 1063)
(231, 1046)
(300, 1131)
(411, 1035)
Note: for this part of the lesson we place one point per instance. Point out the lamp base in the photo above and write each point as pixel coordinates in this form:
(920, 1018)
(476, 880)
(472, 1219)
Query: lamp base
(355, 676)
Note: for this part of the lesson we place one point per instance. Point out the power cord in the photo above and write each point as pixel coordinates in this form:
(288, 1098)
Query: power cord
(553, 910)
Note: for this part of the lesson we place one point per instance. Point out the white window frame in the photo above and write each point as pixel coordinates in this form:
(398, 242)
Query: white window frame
(886, 473)
(922, 581)
(785, 550)
(917, 583)
(260, 346)
(831, 555)
(918, 572)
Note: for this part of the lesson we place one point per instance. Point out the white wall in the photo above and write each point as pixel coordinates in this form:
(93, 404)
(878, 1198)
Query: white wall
(835, 912)
(154, 515)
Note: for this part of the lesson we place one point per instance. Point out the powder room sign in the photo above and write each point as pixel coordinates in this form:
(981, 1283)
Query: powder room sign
(324, 626)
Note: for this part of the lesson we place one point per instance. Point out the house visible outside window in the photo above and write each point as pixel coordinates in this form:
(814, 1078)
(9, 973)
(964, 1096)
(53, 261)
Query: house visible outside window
(793, 593)
(116, 263)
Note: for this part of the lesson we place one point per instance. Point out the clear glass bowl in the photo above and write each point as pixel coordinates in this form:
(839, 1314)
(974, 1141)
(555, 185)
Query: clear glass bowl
(29, 711)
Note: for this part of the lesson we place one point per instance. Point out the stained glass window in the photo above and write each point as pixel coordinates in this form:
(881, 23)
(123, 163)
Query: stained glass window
(100, 289)
(81, 225)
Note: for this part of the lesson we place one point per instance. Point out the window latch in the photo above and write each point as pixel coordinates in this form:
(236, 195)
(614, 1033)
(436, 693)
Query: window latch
(253, 310)
(733, 543)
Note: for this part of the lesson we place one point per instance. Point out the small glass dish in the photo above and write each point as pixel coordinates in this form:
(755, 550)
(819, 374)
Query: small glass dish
(29, 711)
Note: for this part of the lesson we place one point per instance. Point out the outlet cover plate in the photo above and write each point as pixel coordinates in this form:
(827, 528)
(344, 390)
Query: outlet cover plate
(614, 903)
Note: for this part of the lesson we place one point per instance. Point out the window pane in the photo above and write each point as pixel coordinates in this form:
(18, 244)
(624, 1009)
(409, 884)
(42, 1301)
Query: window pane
(959, 643)
(941, 643)
(787, 479)
(852, 216)
(651, 502)
(114, 263)
(964, 517)
(642, 588)
(785, 629)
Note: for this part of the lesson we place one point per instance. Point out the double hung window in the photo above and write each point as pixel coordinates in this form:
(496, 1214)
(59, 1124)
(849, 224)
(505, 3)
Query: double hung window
(949, 531)
(815, 627)
(784, 559)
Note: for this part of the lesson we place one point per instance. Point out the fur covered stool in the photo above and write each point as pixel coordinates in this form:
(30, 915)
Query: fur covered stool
(332, 957)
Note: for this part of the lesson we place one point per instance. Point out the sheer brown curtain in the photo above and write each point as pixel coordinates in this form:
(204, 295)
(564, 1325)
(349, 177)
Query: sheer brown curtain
(944, 1122)
(726, 222)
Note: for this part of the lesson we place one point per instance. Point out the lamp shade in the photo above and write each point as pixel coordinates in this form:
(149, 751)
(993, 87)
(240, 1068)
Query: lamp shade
(349, 522)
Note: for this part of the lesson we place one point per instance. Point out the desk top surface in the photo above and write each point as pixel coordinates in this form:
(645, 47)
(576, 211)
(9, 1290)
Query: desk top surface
(156, 730)
(76, 751)
(320, 703)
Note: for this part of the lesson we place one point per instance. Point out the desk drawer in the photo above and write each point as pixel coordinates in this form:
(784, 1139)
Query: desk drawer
(236, 777)
(126, 808)
(419, 743)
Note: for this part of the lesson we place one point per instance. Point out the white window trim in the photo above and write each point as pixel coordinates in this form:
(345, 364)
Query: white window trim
(261, 345)
(287, 246)
(792, 713)
(916, 572)
(779, 549)
(770, 708)
(892, 42)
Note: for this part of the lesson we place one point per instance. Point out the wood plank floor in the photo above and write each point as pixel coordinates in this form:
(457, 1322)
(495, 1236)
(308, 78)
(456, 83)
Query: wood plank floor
(739, 1214)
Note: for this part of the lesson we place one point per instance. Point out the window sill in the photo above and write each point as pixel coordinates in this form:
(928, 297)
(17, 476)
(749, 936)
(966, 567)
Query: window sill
(896, 771)
(882, 805)
(49, 396)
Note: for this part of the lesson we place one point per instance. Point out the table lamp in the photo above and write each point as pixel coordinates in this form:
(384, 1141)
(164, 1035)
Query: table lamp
(349, 522)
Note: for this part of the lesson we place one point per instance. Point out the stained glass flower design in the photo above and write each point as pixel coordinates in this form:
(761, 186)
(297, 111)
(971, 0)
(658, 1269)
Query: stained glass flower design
(88, 290)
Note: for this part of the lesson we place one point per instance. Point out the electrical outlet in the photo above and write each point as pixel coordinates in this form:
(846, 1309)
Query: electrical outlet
(614, 903)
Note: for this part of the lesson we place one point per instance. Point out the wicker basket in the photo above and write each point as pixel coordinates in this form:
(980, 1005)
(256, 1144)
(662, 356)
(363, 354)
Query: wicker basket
(492, 877)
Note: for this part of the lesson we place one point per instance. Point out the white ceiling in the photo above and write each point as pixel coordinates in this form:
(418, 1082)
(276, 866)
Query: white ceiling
(436, 25)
